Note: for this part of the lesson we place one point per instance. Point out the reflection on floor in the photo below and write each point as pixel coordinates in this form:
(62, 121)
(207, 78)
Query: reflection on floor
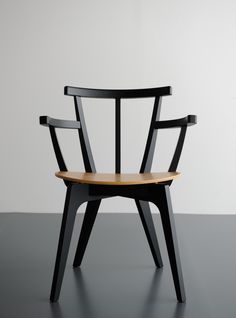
(117, 278)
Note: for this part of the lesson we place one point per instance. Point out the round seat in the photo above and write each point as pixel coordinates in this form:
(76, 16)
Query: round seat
(117, 178)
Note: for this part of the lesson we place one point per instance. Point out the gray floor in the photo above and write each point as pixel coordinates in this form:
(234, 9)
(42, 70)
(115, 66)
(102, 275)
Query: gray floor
(117, 277)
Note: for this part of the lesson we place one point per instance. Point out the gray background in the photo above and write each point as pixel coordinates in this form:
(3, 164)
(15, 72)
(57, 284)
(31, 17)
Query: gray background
(189, 45)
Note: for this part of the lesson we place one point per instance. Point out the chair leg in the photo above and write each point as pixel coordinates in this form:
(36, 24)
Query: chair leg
(68, 219)
(89, 219)
(167, 217)
(148, 225)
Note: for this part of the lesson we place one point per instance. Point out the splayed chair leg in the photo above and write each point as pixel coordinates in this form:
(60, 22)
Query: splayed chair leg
(88, 222)
(163, 202)
(71, 205)
(148, 225)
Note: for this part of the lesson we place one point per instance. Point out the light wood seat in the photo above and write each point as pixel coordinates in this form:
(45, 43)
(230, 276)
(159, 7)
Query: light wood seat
(117, 178)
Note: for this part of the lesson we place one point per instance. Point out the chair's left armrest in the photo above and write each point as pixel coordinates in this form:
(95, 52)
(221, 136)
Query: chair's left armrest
(58, 123)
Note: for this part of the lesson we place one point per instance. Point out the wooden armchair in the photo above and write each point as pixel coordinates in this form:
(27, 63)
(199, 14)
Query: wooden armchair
(92, 187)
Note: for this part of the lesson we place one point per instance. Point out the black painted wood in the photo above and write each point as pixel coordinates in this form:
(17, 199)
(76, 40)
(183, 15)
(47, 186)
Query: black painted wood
(147, 221)
(146, 167)
(152, 136)
(88, 222)
(117, 136)
(57, 149)
(117, 93)
(174, 123)
(178, 149)
(163, 202)
(58, 123)
(83, 135)
(71, 205)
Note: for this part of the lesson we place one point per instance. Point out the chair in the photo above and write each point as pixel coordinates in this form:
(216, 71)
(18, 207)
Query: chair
(92, 187)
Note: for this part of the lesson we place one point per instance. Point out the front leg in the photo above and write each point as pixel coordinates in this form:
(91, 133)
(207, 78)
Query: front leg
(162, 200)
(72, 202)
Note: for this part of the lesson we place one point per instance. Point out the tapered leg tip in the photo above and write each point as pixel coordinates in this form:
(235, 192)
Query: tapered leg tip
(159, 265)
(52, 300)
(182, 300)
(75, 265)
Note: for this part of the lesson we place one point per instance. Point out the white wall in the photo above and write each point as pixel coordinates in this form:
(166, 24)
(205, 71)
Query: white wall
(190, 45)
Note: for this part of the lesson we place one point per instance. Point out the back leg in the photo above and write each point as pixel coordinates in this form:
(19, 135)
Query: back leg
(163, 202)
(88, 222)
(148, 225)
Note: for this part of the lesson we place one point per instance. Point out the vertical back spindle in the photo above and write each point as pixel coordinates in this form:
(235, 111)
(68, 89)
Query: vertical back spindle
(152, 136)
(117, 137)
(83, 136)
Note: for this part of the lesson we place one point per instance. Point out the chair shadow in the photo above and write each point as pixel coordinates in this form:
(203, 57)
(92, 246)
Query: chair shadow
(179, 310)
(56, 310)
(148, 308)
(85, 302)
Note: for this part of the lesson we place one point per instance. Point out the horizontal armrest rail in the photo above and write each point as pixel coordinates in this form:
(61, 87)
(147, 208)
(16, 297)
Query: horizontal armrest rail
(175, 123)
(59, 123)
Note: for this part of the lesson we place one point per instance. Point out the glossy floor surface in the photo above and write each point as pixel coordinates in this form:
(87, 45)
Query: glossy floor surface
(117, 278)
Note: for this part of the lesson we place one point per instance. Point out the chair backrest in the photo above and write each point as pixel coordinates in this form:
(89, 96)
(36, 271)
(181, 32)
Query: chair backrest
(118, 95)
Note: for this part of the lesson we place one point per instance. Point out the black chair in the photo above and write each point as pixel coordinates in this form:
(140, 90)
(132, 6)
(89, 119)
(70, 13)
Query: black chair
(92, 187)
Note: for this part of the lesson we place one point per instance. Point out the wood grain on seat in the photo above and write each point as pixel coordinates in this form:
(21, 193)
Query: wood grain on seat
(117, 178)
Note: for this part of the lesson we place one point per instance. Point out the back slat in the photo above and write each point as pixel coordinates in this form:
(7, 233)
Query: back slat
(83, 136)
(151, 140)
(117, 136)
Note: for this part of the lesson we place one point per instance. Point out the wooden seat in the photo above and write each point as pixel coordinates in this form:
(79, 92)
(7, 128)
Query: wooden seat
(91, 187)
(117, 178)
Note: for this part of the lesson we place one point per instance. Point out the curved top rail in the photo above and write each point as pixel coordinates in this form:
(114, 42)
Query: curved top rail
(117, 93)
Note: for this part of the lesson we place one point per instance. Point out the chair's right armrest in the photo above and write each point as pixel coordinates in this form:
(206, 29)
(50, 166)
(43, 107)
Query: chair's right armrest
(175, 123)
(58, 123)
